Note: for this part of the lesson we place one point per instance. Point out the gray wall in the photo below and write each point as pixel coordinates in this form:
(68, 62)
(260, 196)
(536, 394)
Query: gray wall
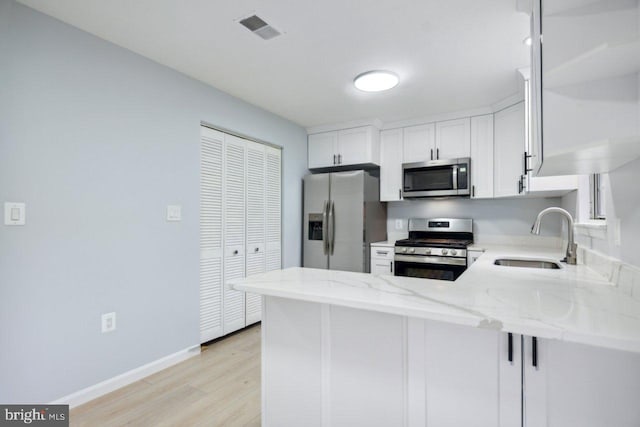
(495, 217)
(97, 141)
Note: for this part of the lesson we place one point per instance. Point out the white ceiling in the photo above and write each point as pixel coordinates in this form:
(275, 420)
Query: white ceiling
(450, 54)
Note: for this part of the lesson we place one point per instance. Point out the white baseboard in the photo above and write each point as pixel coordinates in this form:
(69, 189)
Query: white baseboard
(112, 384)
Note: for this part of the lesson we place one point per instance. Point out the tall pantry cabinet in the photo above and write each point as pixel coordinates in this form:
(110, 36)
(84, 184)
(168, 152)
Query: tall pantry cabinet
(240, 227)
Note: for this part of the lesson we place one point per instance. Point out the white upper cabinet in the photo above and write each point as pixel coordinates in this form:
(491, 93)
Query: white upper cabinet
(391, 165)
(419, 143)
(453, 139)
(359, 146)
(509, 149)
(348, 147)
(588, 91)
(482, 157)
(323, 149)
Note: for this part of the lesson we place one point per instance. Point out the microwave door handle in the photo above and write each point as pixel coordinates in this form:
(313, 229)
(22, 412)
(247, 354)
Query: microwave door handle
(455, 177)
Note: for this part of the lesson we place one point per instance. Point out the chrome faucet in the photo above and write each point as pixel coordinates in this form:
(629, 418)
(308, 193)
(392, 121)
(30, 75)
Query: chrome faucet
(572, 248)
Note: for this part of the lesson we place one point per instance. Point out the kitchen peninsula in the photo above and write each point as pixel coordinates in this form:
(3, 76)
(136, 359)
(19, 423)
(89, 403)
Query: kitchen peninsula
(501, 346)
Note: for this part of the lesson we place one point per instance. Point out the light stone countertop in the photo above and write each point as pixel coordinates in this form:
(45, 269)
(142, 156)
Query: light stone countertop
(572, 304)
(386, 243)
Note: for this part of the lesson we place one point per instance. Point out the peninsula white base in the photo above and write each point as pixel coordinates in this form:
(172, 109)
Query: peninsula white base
(329, 365)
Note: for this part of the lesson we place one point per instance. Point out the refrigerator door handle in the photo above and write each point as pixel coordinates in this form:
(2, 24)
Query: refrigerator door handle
(325, 239)
(332, 227)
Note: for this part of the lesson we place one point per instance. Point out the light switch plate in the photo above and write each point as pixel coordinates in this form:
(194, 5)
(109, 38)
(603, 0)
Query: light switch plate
(398, 224)
(108, 322)
(174, 213)
(14, 213)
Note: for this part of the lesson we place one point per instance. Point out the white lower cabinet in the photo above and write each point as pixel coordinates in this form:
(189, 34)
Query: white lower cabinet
(580, 385)
(468, 378)
(348, 367)
(473, 255)
(382, 259)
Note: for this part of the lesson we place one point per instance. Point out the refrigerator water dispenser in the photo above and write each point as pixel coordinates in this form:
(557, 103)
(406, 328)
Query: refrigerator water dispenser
(315, 226)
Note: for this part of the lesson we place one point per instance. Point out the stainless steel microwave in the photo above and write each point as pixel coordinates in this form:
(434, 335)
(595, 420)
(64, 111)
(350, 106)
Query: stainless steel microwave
(437, 178)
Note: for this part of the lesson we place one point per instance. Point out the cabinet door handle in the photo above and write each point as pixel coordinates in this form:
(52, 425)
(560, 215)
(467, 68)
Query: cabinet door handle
(432, 154)
(437, 154)
(235, 252)
(399, 193)
(339, 159)
(257, 250)
(510, 347)
(520, 184)
(391, 267)
(382, 252)
(473, 191)
(526, 163)
(334, 159)
(534, 352)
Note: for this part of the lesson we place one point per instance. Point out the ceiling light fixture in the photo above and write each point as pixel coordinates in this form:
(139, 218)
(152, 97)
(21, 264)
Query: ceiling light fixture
(527, 41)
(376, 81)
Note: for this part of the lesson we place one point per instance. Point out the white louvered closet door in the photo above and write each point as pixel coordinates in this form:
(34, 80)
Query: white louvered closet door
(211, 234)
(256, 230)
(273, 200)
(234, 227)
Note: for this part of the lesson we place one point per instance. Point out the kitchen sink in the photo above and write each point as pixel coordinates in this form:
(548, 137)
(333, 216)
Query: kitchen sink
(529, 263)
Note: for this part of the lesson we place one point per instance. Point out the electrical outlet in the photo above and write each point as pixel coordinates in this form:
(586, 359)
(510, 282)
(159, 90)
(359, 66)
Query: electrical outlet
(108, 322)
(399, 224)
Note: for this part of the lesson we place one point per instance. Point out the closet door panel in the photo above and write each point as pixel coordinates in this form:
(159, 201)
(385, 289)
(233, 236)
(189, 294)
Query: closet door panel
(273, 199)
(235, 231)
(256, 229)
(211, 233)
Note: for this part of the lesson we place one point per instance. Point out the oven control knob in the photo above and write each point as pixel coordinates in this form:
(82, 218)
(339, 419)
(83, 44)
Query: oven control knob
(404, 250)
(427, 251)
(411, 250)
(445, 251)
(453, 252)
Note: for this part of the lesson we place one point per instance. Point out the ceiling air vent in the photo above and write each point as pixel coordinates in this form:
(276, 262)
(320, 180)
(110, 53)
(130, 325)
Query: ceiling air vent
(257, 26)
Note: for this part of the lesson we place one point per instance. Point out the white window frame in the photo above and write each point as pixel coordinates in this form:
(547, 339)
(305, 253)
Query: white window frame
(597, 197)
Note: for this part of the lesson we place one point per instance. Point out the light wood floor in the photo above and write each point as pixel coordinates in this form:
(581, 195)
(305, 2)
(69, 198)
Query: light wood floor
(220, 387)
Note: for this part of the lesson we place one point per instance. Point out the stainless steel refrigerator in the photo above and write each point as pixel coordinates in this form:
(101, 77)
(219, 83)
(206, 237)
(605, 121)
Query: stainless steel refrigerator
(342, 216)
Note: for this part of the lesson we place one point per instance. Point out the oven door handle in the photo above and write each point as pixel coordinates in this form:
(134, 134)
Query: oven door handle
(435, 260)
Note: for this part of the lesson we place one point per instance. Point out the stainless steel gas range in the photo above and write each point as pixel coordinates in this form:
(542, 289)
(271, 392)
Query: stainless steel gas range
(436, 248)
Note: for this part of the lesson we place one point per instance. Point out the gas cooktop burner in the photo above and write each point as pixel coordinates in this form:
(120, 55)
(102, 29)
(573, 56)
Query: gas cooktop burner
(435, 243)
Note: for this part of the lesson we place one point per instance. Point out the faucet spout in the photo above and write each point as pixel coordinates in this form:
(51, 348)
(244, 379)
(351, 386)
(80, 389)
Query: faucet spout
(572, 248)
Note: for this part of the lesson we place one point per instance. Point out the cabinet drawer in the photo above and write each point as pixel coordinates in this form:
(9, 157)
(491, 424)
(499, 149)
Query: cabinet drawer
(382, 253)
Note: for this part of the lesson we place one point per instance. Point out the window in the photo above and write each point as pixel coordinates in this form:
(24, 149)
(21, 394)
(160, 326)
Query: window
(599, 185)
